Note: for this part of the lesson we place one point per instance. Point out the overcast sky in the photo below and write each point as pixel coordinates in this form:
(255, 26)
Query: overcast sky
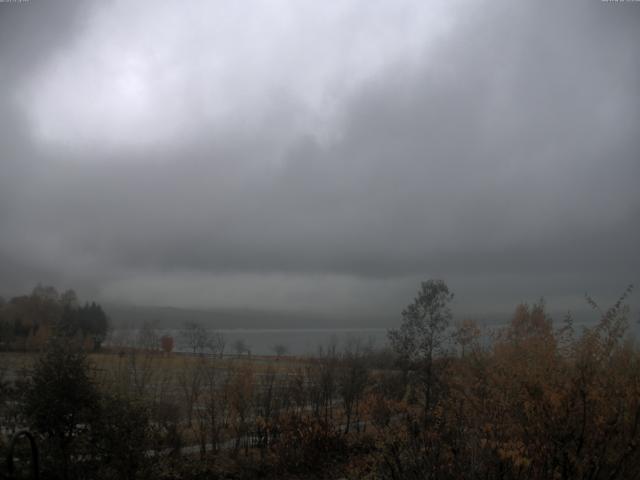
(320, 156)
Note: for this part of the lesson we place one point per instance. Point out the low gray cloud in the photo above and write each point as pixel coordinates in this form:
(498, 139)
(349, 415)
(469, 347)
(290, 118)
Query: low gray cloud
(500, 153)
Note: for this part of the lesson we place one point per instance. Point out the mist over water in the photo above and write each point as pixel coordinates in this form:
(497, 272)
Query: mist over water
(262, 341)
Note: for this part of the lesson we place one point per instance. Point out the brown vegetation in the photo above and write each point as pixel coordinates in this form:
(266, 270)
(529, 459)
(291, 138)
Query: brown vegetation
(536, 401)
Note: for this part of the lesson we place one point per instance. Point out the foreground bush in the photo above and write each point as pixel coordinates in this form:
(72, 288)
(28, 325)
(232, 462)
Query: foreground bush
(306, 444)
(538, 403)
(83, 433)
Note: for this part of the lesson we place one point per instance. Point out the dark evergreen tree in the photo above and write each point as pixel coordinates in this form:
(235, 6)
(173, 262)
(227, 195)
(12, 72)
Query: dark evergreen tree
(60, 403)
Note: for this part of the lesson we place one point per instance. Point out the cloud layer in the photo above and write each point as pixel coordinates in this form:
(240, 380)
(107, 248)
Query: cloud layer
(294, 155)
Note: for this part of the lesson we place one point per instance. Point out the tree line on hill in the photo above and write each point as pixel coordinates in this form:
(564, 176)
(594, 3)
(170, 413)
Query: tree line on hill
(27, 322)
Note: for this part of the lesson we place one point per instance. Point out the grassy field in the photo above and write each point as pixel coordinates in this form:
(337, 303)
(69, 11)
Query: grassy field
(15, 362)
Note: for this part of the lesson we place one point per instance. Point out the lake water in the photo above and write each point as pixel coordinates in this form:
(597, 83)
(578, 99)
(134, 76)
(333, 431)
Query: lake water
(302, 341)
(296, 341)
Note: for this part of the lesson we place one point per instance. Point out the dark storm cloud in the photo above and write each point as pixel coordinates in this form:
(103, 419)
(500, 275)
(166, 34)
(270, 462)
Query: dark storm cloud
(506, 155)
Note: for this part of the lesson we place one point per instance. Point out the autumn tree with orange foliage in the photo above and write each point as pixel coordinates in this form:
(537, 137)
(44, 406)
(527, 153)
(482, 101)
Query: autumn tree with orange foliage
(537, 403)
(167, 343)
